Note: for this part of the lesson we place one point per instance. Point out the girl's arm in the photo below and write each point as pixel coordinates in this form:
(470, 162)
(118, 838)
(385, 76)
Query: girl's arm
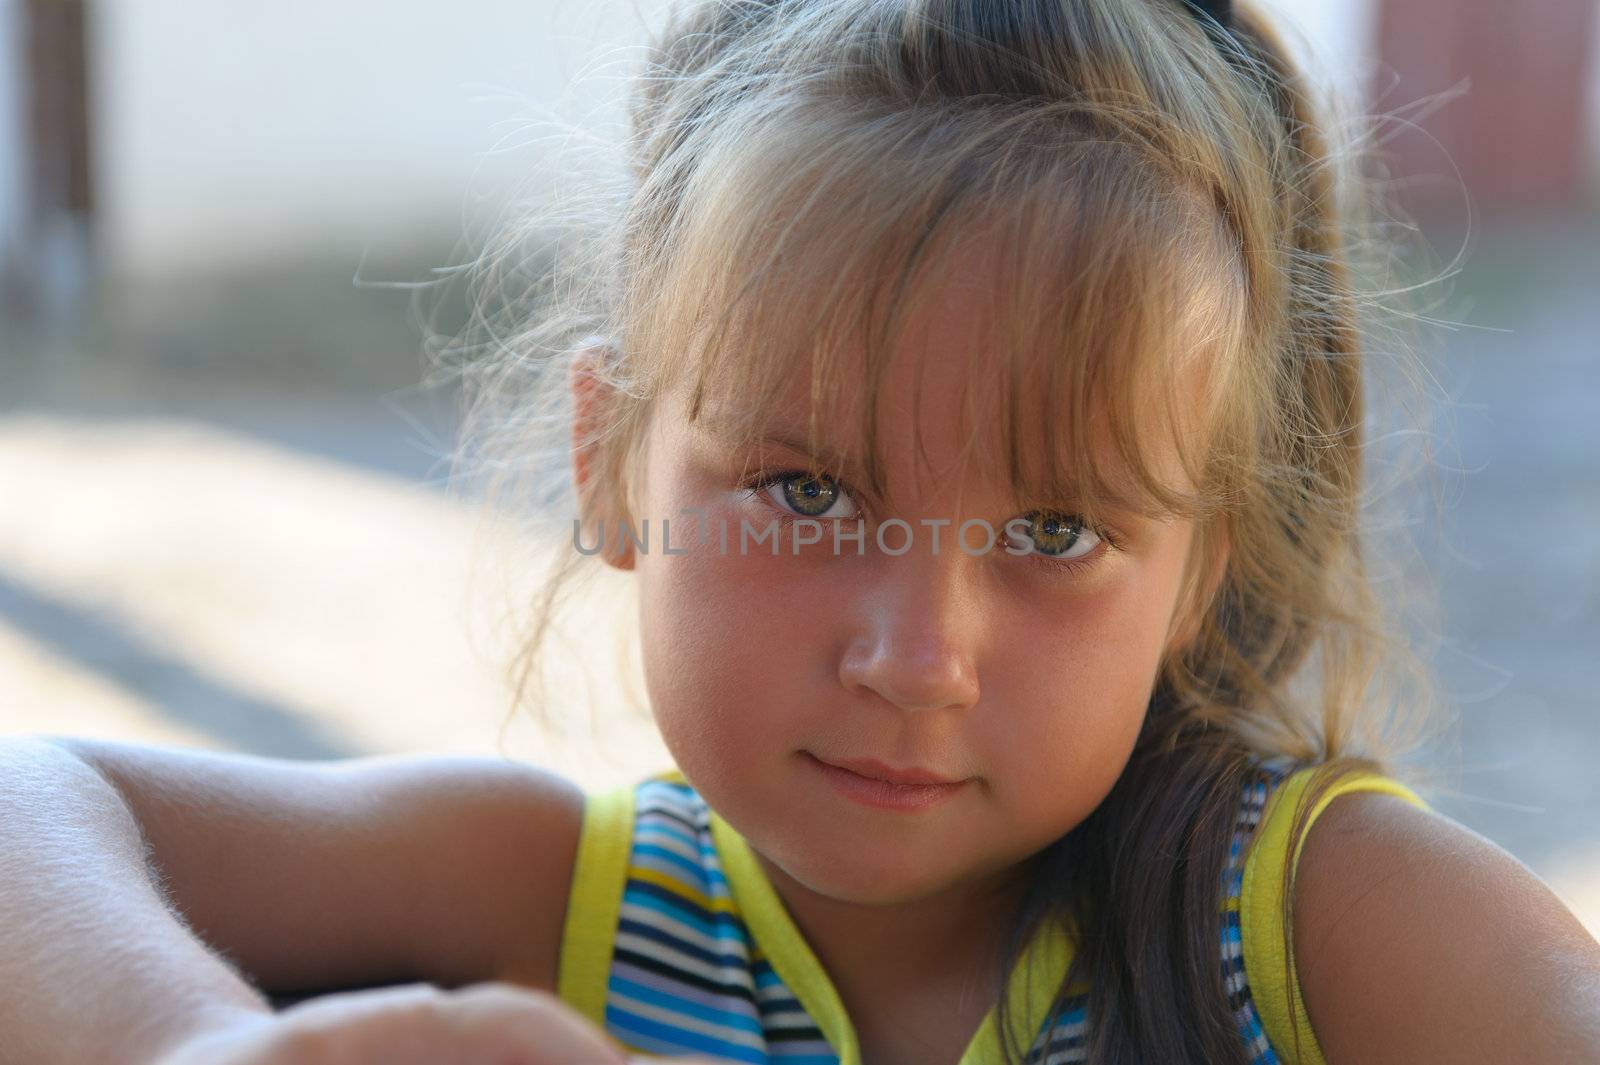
(303, 876)
(95, 968)
(1419, 940)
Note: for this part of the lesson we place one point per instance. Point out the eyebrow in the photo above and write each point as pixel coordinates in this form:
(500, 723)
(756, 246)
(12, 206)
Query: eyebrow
(783, 436)
(794, 442)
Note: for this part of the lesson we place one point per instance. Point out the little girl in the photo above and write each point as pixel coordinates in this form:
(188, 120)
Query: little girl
(974, 390)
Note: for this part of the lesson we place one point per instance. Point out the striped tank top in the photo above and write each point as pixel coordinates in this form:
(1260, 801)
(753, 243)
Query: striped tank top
(676, 942)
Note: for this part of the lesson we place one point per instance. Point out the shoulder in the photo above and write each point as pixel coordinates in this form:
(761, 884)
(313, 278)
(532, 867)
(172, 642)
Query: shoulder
(1416, 939)
(353, 872)
(504, 836)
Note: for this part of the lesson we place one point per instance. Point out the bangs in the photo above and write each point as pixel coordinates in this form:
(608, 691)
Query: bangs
(1112, 296)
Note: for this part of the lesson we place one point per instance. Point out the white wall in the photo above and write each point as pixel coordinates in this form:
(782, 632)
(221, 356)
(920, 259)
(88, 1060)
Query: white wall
(226, 129)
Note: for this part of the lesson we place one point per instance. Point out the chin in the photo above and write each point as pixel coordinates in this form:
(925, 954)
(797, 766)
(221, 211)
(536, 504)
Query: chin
(863, 877)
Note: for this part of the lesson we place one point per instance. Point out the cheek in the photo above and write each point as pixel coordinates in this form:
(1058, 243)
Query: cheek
(1075, 677)
(735, 647)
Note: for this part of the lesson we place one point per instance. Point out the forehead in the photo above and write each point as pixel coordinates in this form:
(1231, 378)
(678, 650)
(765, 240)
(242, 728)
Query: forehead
(1038, 318)
(958, 396)
(1034, 286)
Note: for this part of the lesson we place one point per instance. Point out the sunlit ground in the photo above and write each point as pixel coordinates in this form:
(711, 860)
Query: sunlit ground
(168, 581)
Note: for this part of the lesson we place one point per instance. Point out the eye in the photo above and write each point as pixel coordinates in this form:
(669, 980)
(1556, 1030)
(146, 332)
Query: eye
(1055, 538)
(805, 494)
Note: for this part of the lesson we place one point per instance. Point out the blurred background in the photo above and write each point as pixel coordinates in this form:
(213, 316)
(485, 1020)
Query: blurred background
(224, 515)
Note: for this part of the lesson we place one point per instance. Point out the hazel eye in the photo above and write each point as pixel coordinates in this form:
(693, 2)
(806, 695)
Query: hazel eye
(1056, 535)
(805, 494)
(809, 495)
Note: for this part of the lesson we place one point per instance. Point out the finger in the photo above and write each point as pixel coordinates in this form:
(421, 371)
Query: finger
(553, 1032)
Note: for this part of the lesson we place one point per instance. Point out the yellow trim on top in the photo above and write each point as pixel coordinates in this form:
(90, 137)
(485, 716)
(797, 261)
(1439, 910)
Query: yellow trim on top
(1261, 908)
(1034, 983)
(594, 904)
(1034, 980)
(788, 951)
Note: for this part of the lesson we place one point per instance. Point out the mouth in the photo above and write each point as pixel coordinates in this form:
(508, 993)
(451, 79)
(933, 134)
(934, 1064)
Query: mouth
(871, 783)
(875, 770)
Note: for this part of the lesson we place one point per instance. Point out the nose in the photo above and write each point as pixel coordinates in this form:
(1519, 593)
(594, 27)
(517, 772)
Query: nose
(915, 636)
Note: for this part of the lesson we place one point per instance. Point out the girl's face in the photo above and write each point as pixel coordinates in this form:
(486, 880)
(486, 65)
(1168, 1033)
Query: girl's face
(1025, 675)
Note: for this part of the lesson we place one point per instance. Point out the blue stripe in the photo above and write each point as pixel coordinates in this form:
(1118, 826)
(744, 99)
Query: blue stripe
(673, 1039)
(654, 897)
(670, 828)
(693, 868)
(734, 960)
(657, 997)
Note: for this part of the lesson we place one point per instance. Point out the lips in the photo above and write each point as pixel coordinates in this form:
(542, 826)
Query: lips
(875, 770)
(898, 791)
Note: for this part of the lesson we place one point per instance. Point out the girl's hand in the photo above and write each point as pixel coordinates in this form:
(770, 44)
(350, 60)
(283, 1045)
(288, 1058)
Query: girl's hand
(418, 1024)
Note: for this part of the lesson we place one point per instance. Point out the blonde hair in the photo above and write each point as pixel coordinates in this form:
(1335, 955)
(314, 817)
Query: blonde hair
(1159, 193)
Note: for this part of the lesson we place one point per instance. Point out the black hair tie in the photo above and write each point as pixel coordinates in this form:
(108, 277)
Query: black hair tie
(1220, 10)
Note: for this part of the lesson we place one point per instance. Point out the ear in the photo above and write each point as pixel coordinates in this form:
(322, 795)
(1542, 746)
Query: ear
(592, 478)
(1188, 626)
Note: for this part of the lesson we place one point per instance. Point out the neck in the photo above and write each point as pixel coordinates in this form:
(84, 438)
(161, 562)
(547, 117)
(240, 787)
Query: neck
(951, 938)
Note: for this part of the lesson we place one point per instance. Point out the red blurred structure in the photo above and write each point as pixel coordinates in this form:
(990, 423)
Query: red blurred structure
(1520, 136)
